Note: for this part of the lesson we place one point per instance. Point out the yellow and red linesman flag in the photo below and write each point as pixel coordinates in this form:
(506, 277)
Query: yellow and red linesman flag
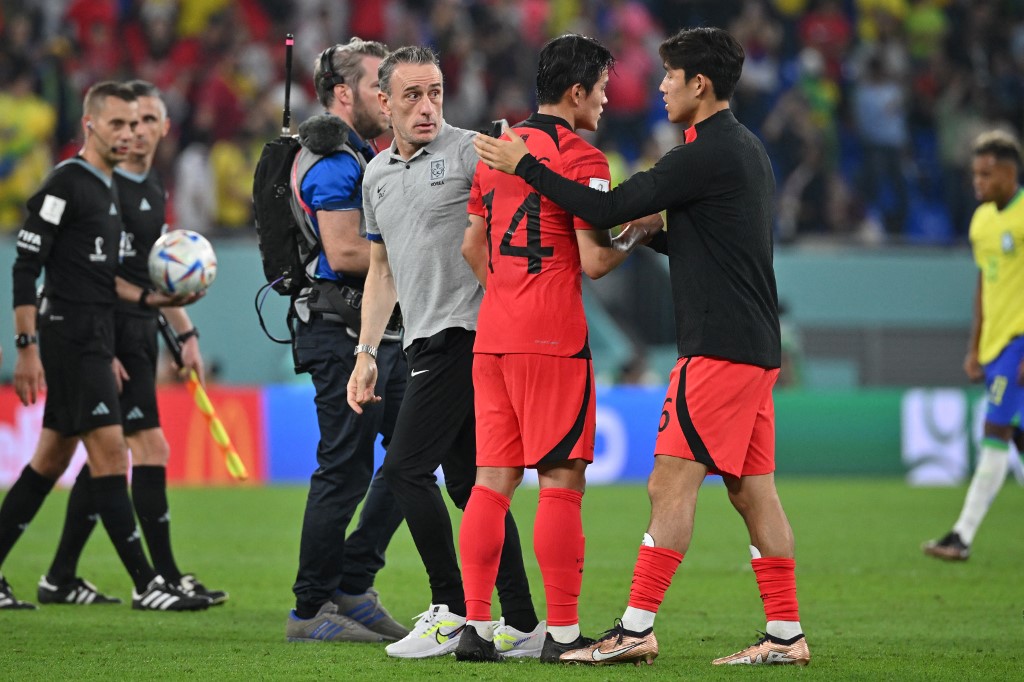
(217, 430)
(198, 393)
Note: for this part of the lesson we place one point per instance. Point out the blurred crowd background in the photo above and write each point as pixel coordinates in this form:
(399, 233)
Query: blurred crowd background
(868, 107)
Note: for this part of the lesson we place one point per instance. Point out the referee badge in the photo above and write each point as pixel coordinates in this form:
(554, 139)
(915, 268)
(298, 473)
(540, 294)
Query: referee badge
(1007, 242)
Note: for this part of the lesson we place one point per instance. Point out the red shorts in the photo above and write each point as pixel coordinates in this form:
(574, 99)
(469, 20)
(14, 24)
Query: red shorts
(533, 409)
(721, 414)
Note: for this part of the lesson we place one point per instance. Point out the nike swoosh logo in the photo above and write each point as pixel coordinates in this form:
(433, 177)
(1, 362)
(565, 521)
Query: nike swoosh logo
(443, 637)
(415, 372)
(599, 655)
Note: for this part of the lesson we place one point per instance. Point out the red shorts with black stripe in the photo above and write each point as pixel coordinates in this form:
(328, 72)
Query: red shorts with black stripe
(721, 414)
(533, 410)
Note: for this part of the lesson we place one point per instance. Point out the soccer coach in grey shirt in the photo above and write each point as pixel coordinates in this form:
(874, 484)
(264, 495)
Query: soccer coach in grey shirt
(414, 202)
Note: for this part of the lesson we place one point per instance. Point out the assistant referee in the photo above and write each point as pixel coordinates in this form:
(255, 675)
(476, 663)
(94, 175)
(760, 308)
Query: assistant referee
(74, 232)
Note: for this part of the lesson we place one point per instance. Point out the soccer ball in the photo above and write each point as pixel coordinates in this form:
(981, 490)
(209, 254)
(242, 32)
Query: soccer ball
(182, 262)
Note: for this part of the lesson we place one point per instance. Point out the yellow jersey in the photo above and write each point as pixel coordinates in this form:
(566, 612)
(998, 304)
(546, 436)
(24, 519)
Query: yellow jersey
(997, 239)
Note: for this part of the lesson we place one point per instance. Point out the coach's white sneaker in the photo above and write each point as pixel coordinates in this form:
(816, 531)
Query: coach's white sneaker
(436, 633)
(512, 643)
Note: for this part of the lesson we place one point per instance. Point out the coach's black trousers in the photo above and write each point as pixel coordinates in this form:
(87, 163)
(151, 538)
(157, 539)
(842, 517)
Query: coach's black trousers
(437, 428)
(327, 560)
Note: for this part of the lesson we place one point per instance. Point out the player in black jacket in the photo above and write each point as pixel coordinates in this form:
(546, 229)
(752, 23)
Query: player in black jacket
(718, 190)
(74, 232)
(142, 202)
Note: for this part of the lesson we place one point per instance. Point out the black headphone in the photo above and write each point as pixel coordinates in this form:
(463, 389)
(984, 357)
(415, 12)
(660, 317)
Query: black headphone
(328, 78)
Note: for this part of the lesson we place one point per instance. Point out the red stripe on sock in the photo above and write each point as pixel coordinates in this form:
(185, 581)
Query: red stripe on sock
(652, 575)
(776, 578)
(559, 545)
(480, 539)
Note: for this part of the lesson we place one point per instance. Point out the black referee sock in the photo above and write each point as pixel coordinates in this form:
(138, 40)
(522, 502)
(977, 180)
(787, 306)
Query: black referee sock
(149, 495)
(79, 521)
(20, 505)
(115, 509)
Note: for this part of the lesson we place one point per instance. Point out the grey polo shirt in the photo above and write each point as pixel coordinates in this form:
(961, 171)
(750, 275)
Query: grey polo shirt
(417, 208)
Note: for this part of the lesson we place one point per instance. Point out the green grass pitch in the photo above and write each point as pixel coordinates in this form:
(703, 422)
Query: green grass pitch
(872, 605)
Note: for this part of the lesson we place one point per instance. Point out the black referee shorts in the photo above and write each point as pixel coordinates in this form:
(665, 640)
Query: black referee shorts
(76, 346)
(137, 348)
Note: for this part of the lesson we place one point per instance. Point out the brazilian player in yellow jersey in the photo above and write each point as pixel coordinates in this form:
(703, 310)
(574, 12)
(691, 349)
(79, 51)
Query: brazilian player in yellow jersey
(995, 351)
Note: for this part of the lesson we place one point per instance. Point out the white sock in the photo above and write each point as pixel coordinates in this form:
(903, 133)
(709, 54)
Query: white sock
(637, 620)
(484, 628)
(784, 629)
(988, 479)
(564, 634)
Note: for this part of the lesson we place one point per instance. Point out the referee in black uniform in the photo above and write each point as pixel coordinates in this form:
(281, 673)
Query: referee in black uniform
(74, 232)
(142, 202)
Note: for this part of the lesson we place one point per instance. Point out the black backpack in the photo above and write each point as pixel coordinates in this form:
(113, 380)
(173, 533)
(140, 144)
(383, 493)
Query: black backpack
(276, 232)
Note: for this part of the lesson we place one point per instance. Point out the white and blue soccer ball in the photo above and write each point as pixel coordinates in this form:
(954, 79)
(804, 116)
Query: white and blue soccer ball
(182, 262)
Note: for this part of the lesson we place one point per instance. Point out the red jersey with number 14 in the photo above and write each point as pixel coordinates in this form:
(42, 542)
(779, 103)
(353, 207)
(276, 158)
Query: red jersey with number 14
(533, 302)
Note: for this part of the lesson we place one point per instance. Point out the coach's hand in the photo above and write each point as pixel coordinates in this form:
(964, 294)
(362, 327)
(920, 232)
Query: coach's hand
(29, 378)
(362, 383)
(502, 155)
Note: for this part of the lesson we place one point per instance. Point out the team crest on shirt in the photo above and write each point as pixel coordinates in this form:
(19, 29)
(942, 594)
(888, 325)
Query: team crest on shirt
(437, 172)
(1007, 242)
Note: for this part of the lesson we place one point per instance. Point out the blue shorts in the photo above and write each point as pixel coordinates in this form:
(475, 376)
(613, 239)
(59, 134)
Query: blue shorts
(1005, 395)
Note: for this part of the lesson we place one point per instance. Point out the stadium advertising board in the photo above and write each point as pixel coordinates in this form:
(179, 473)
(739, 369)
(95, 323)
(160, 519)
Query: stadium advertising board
(195, 458)
(927, 436)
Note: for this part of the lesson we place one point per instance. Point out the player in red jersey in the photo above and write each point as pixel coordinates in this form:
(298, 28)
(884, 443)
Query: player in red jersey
(718, 191)
(532, 369)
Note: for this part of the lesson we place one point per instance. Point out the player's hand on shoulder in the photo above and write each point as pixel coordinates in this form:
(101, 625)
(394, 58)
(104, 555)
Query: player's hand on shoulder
(502, 155)
(29, 378)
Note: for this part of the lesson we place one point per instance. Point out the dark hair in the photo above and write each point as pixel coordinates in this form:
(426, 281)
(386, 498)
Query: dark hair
(410, 54)
(709, 51)
(568, 60)
(343, 64)
(999, 144)
(143, 88)
(99, 92)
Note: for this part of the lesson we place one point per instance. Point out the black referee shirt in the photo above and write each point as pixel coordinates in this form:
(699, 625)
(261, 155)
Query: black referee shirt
(718, 189)
(143, 209)
(74, 230)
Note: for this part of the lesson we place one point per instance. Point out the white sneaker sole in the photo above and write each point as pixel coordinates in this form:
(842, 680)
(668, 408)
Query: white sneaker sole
(439, 650)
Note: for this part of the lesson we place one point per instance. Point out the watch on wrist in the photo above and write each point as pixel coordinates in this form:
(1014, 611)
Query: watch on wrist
(185, 336)
(366, 348)
(142, 298)
(25, 340)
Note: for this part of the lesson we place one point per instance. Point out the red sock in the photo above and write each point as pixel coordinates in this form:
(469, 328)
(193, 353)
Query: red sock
(480, 539)
(652, 575)
(776, 578)
(558, 543)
